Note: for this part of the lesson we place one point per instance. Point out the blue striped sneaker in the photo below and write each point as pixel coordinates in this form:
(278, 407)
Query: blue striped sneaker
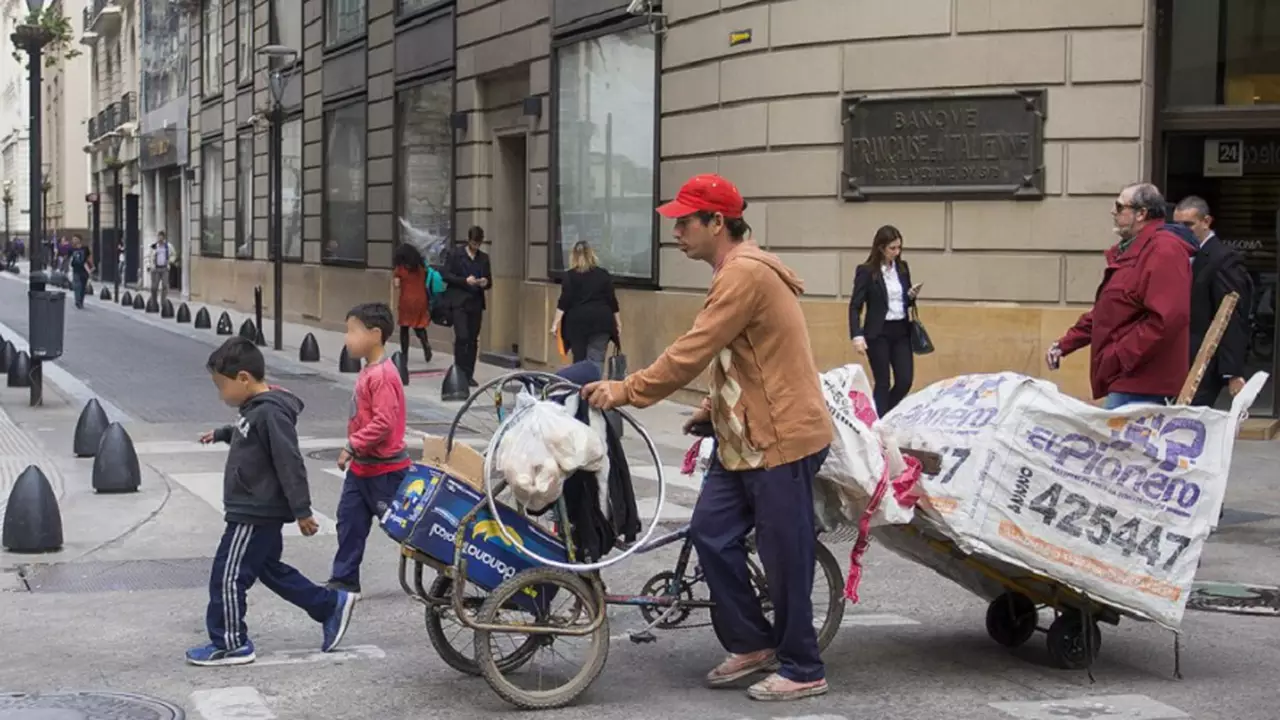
(336, 625)
(213, 656)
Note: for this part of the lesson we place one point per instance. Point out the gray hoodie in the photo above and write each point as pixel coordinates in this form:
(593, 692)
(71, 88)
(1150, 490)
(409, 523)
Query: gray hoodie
(265, 480)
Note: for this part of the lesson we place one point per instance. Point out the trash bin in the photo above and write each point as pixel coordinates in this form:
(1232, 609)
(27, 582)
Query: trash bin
(47, 318)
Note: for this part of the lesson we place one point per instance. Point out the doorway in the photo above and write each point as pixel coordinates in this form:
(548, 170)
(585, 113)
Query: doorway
(1244, 200)
(508, 239)
(172, 219)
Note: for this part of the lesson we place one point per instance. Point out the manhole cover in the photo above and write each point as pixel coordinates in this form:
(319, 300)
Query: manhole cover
(86, 706)
(1234, 598)
(126, 575)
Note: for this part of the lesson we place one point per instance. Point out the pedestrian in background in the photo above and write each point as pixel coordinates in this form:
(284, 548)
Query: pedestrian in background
(81, 264)
(158, 266)
(772, 433)
(375, 459)
(882, 286)
(1139, 329)
(413, 311)
(467, 273)
(264, 487)
(1217, 270)
(587, 317)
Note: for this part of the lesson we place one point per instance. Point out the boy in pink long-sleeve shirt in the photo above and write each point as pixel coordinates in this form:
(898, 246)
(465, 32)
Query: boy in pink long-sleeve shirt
(375, 458)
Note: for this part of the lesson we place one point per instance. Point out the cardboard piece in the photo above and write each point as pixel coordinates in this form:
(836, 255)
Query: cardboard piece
(464, 462)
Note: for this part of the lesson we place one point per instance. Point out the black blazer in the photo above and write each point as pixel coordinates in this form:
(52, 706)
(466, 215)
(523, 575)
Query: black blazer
(457, 266)
(588, 302)
(869, 290)
(1216, 271)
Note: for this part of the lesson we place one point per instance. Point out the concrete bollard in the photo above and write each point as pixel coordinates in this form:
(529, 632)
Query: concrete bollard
(152, 307)
(310, 350)
(105, 294)
(139, 303)
(202, 319)
(184, 313)
(346, 363)
(115, 466)
(32, 520)
(455, 387)
(224, 324)
(7, 353)
(248, 330)
(166, 309)
(126, 298)
(90, 427)
(20, 370)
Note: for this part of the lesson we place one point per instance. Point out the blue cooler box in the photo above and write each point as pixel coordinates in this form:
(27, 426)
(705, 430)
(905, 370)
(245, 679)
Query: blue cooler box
(425, 515)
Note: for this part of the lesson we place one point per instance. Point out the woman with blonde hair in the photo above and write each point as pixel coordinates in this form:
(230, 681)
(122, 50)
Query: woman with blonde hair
(587, 312)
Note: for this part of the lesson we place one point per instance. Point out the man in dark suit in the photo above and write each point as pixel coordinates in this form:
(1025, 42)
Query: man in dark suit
(1216, 271)
(467, 274)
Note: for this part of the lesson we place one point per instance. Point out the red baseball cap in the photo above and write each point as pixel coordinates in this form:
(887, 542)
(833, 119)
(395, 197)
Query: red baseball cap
(705, 193)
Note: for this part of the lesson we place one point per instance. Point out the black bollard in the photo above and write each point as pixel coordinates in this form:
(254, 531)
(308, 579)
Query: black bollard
(105, 294)
(202, 319)
(346, 363)
(115, 467)
(126, 298)
(184, 313)
(152, 306)
(138, 302)
(7, 353)
(20, 370)
(402, 366)
(92, 424)
(259, 340)
(248, 331)
(166, 309)
(224, 324)
(310, 350)
(455, 387)
(88, 289)
(32, 520)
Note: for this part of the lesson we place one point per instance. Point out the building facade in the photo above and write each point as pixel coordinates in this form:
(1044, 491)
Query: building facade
(111, 36)
(15, 170)
(67, 85)
(993, 133)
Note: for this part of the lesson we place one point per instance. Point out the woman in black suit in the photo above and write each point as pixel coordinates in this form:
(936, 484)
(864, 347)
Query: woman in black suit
(883, 286)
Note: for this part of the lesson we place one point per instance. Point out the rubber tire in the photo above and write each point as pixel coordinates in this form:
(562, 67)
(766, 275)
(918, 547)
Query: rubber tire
(1065, 642)
(547, 699)
(827, 564)
(442, 588)
(1011, 619)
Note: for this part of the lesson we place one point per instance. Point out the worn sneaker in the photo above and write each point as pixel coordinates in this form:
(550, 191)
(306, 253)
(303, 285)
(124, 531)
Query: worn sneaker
(336, 626)
(338, 586)
(213, 656)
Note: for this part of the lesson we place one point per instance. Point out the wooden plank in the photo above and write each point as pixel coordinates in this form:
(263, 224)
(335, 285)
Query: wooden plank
(1208, 347)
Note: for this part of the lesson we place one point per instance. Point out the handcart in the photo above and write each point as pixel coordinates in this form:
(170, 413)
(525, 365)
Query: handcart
(526, 589)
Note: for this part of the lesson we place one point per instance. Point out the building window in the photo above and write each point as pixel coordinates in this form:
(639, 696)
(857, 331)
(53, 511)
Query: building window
(211, 47)
(211, 199)
(425, 184)
(413, 6)
(1223, 53)
(606, 105)
(288, 24)
(244, 40)
(291, 161)
(344, 20)
(345, 131)
(244, 196)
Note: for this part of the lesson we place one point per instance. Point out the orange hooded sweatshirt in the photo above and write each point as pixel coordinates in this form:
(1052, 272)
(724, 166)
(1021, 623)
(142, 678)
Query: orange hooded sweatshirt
(767, 407)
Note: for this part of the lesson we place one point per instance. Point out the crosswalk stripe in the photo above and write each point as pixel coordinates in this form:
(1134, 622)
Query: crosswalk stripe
(670, 474)
(671, 512)
(301, 657)
(1096, 707)
(231, 703)
(208, 487)
(875, 620)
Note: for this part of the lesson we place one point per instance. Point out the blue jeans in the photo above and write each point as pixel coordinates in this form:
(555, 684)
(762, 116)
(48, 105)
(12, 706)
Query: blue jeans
(249, 553)
(1119, 399)
(778, 503)
(78, 283)
(356, 510)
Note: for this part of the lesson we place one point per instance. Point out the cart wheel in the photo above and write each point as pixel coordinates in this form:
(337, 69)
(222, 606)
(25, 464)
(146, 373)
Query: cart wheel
(1011, 619)
(1066, 642)
(570, 603)
(828, 592)
(455, 643)
(660, 586)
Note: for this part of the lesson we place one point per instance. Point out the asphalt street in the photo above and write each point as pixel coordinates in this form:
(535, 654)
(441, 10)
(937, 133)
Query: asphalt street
(121, 616)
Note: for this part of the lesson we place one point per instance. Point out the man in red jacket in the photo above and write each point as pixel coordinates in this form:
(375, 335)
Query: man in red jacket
(1140, 324)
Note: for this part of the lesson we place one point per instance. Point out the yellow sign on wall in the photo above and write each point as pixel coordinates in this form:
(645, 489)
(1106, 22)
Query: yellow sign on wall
(739, 37)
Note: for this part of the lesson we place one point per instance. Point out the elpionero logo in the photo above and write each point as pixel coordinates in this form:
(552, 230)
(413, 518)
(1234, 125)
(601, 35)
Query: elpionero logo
(490, 531)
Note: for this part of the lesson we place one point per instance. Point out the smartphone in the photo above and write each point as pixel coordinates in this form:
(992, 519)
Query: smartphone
(916, 288)
(702, 429)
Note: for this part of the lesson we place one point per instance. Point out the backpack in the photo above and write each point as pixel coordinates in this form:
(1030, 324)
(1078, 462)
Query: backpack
(437, 301)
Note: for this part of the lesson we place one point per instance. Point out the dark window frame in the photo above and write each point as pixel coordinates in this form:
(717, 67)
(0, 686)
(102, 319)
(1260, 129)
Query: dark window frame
(554, 247)
(329, 109)
(399, 165)
(330, 43)
(204, 182)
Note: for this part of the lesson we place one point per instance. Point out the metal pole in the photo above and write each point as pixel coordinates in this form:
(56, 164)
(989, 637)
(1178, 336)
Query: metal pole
(117, 199)
(36, 278)
(277, 224)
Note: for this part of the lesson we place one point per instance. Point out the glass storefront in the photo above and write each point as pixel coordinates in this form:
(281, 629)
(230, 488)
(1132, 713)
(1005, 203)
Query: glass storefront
(1224, 52)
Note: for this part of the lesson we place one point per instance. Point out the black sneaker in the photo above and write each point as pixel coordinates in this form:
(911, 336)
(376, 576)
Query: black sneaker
(353, 590)
(473, 383)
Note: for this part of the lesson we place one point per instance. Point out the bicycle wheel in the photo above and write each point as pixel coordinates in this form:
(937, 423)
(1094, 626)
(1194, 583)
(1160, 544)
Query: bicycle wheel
(827, 594)
(456, 643)
(533, 686)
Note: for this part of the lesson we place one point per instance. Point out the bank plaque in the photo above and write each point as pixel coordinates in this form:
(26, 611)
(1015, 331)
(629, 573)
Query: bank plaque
(966, 146)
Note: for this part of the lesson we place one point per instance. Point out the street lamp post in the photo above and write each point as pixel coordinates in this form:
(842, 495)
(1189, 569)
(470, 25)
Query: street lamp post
(281, 62)
(115, 141)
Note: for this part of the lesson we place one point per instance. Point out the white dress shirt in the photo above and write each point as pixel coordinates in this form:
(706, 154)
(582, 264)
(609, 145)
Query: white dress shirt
(897, 294)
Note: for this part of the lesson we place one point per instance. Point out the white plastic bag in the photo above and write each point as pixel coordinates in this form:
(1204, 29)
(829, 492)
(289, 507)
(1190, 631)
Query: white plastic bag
(541, 445)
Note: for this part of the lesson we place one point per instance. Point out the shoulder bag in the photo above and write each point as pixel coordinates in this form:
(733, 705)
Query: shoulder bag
(920, 342)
